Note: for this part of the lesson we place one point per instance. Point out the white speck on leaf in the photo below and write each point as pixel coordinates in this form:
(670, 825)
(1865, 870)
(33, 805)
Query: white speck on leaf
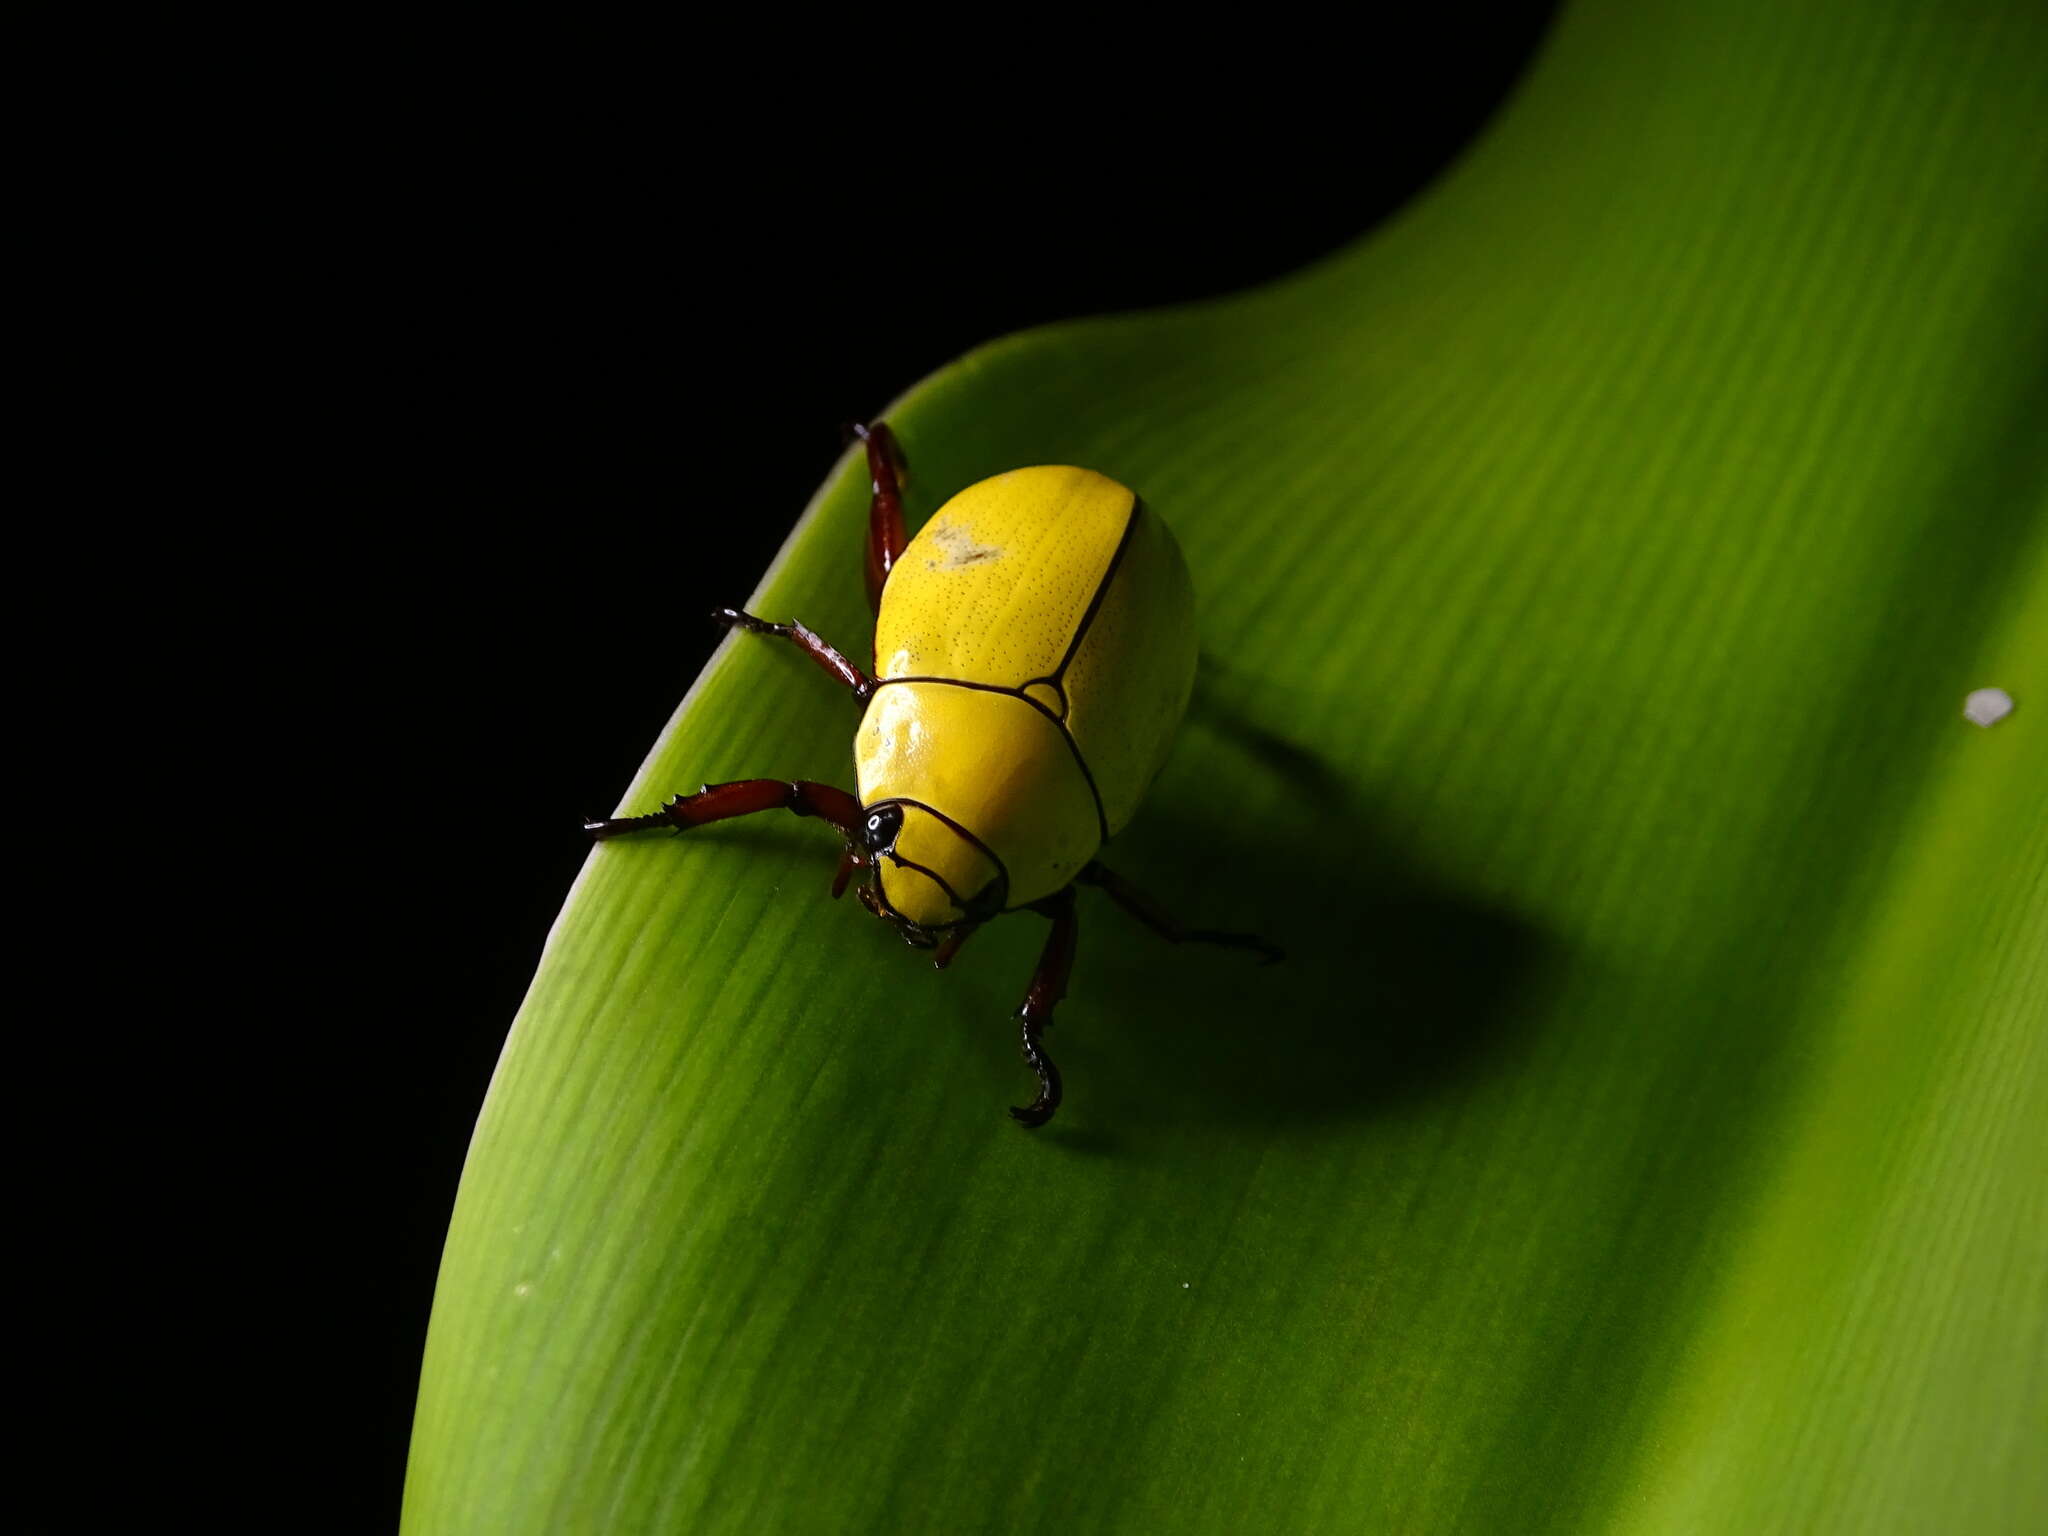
(1987, 706)
(522, 1288)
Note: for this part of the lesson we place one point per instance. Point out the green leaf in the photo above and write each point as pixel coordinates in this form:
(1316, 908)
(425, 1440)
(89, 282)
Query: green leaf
(1646, 1131)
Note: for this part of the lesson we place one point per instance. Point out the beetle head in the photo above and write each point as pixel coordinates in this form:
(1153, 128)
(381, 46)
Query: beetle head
(930, 877)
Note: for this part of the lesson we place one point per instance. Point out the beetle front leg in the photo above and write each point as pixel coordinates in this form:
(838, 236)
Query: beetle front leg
(887, 470)
(722, 802)
(806, 640)
(1164, 923)
(1048, 986)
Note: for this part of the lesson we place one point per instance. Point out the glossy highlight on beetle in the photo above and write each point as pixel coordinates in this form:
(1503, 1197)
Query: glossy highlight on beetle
(1034, 650)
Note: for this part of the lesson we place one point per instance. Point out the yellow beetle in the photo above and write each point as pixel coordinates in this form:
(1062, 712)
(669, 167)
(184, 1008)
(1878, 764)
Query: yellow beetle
(1034, 650)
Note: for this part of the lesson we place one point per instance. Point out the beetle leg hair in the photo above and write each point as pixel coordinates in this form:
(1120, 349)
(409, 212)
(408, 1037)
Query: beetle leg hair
(722, 802)
(1048, 986)
(806, 640)
(1165, 924)
(887, 470)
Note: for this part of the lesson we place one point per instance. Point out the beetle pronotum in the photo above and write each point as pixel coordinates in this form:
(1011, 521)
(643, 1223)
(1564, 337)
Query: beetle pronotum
(1034, 650)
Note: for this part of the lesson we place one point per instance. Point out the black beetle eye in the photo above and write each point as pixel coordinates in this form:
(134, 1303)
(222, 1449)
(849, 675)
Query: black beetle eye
(880, 829)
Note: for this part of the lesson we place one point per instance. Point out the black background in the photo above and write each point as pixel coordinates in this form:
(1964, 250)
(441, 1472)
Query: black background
(562, 324)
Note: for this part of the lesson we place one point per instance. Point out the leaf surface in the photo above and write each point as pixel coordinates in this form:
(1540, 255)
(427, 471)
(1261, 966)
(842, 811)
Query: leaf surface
(1645, 1132)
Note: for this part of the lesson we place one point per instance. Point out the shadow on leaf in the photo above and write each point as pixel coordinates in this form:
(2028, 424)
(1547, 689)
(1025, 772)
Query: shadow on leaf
(1395, 985)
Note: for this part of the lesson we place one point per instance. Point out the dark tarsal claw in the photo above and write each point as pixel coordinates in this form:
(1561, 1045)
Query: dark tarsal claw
(602, 828)
(739, 618)
(1040, 1109)
(878, 432)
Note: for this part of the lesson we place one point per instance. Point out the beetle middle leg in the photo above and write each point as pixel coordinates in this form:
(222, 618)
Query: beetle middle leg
(1164, 923)
(806, 640)
(1048, 986)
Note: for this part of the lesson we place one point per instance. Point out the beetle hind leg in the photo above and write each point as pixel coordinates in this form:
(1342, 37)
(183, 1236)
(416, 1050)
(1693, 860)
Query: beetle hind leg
(1165, 924)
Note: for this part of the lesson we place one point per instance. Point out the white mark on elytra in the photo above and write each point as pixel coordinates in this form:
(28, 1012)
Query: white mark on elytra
(957, 548)
(1987, 706)
(522, 1288)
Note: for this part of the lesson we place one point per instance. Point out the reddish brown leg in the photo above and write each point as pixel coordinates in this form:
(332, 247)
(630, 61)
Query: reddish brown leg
(1164, 923)
(849, 860)
(806, 641)
(1048, 986)
(722, 802)
(887, 470)
(949, 946)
